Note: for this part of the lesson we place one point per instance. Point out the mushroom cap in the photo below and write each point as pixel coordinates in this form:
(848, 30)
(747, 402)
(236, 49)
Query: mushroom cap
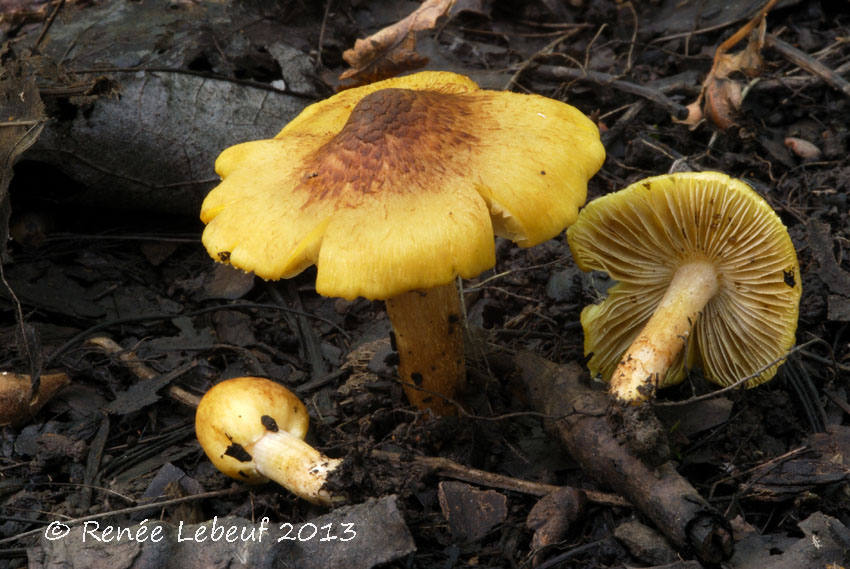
(400, 185)
(643, 233)
(236, 413)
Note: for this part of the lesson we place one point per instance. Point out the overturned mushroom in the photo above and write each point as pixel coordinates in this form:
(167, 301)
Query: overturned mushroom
(253, 429)
(395, 189)
(707, 275)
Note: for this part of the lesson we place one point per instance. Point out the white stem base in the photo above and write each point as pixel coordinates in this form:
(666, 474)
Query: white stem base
(295, 465)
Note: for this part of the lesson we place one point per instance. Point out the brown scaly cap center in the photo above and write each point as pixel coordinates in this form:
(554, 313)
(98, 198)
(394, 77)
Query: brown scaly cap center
(393, 141)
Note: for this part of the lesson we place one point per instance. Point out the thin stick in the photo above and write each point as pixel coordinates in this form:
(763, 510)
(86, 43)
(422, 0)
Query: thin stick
(48, 23)
(322, 30)
(738, 383)
(153, 317)
(451, 469)
(809, 63)
(607, 80)
(546, 50)
(745, 30)
(22, 123)
(143, 372)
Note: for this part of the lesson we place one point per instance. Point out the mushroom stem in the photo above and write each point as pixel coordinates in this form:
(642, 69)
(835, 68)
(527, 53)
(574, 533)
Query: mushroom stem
(295, 465)
(652, 353)
(429, 341)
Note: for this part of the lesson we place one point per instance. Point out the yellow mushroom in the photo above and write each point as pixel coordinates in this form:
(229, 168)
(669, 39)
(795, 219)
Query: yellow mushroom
(16, 402)
(395, 189)
(707, 275)
(253, 429)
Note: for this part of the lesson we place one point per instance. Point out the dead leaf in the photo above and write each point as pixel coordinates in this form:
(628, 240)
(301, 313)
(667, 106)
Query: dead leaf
(20, 124)
(722, 93)
(723, 98)
(392, 50)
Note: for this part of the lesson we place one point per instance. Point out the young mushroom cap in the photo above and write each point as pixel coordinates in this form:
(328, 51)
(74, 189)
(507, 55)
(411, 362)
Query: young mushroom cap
(252, 429)
(401, 185)
(715, 231)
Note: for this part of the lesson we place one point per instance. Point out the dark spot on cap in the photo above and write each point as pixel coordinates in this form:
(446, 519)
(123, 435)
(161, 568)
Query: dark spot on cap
(417, 378)
(788, 277)
(542, 172)
(269, 423)
(238, 452)
(224, 256)
(243, 475)
(392, 359)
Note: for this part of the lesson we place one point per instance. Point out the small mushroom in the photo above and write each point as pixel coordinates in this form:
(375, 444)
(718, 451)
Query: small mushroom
(395, 189)
(17, 405)
(707, 275)
(253, 429)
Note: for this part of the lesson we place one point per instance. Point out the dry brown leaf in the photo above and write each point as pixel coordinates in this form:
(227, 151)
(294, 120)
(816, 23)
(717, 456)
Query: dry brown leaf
(721, 95)
(723, 98)
(747, 61)
(392, 50)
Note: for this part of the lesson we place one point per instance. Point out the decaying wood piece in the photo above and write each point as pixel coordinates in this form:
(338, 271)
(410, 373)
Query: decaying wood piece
(665, 497)
(552, 517)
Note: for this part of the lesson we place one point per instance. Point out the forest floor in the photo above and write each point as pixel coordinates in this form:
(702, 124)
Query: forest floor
(90, 258)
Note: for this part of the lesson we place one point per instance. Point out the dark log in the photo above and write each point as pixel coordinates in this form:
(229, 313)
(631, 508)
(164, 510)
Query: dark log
(689, 522)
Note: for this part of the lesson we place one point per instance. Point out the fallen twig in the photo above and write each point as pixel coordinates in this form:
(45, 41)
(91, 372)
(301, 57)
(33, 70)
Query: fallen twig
(687, 520)
(809, 63)
(738, 383)
(451, 469)
(656, 96)
(140, 370)
(154, 317)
